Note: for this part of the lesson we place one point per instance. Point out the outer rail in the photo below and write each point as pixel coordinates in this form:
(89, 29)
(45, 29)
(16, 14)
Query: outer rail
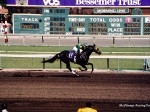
(108, 57)
(50, 55)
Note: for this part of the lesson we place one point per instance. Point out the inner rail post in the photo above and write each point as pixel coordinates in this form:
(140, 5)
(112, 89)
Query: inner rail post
(107, 63)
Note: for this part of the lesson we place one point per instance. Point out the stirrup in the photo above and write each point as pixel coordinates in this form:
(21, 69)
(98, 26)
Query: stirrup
(75, 60)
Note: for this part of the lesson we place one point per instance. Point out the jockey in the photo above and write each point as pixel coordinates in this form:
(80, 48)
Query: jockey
(78, 49)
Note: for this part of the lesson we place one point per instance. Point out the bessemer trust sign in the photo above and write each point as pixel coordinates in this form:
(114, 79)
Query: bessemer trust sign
(85, 3)
(108, 2)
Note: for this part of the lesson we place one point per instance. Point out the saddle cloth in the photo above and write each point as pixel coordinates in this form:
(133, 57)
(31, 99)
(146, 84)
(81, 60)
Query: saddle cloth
(72, 55)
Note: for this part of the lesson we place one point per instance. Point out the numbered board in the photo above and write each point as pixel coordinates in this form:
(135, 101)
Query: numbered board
(54, 25)
(146, 27)
(58, 21)
(107, 25)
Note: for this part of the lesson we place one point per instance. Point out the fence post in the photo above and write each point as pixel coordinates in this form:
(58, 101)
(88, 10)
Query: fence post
(107, 63)
(23, 40)
(78, 40)
(42, 41)
(118, 62)
(94, 39)
(113, 40)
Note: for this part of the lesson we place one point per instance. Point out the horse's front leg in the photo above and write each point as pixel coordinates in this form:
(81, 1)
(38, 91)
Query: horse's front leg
(85, 68)
(91, 66)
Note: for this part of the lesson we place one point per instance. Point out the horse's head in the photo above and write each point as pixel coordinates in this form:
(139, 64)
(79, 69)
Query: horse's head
(96, 49)
(92, 48)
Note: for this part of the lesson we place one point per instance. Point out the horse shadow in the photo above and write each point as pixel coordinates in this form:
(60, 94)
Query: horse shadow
(69, 76)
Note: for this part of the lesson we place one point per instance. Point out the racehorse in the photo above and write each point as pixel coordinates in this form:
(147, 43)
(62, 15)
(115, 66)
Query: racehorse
(82, 58)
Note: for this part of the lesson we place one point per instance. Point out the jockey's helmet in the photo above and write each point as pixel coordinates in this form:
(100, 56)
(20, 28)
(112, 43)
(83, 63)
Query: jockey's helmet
(85, 44)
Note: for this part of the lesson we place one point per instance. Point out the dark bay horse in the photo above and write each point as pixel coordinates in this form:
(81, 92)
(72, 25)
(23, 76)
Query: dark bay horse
(81, 60)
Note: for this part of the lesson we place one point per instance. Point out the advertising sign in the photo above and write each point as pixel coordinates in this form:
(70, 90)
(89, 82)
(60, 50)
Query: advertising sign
(85, 3)
(112, 10)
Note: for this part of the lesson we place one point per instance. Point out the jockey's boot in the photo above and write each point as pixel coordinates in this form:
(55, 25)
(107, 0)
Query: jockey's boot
(75, 59)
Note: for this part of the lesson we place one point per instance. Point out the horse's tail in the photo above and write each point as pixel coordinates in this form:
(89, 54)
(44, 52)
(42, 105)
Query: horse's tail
(51, 60)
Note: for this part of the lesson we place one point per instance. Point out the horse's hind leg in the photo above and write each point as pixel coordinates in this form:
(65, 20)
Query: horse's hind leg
(68, 66)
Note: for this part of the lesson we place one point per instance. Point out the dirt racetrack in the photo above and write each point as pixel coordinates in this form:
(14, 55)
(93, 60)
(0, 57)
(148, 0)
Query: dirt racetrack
(60, 91)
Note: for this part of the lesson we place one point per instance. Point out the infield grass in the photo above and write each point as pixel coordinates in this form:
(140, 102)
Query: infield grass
(35, 63)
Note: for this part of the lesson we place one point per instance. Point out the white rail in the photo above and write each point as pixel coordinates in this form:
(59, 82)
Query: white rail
(26, 55)
(81, 36)
(108, 57)
(121, 57)
(50, 55)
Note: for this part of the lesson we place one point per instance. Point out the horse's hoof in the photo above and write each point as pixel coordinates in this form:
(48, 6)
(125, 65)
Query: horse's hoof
(80, 68)
(75, 73)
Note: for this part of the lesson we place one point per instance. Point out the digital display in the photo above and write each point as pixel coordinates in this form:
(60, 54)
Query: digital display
(108, 25)
(30, 26)
(133, 26)
(54, 25)
(146, 26)
(97, 28)
(97, 25)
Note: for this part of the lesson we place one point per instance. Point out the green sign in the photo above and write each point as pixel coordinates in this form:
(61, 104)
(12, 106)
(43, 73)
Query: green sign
(58, 21)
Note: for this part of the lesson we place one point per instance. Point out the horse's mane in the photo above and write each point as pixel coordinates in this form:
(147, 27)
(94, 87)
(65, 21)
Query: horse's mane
(89, 47)
(87, 51)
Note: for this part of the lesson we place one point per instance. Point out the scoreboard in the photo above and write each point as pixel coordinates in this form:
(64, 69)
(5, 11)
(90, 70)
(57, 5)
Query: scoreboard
(105, 25)
(58, 21)
(54, 20)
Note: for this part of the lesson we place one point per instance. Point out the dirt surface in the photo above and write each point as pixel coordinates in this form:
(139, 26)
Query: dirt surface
(60, 91)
